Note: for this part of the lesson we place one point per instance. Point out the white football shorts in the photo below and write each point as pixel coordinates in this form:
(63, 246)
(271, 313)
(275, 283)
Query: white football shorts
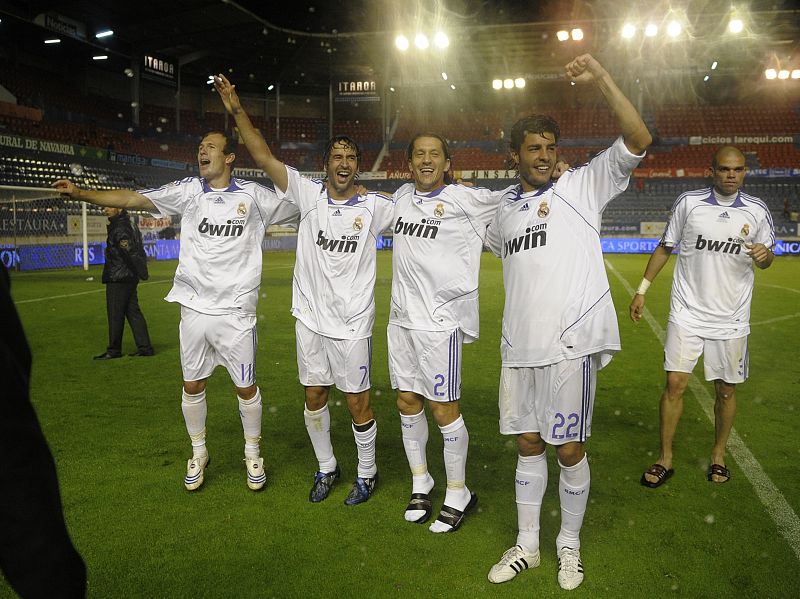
(555, 401)
(724, 359)
(208, 341)
(426, 362)
(323, 361)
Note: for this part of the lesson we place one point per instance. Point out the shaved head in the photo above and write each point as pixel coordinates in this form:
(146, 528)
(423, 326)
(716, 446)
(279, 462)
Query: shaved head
(726, 152)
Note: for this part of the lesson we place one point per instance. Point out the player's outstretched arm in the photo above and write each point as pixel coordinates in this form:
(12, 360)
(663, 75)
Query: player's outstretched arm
(113, 198)
(586, 69)
(255, 143)
(762, 256)
(658, 259)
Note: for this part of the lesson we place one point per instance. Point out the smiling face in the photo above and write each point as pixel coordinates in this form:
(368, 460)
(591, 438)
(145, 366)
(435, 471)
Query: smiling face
(428, 163)
(341, 169)
(536, 159)
(214, 164)
(728, 170)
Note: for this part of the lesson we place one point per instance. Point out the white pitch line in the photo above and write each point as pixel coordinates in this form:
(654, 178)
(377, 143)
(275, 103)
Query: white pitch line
(790, 289)
(771, 497)
(776, 319)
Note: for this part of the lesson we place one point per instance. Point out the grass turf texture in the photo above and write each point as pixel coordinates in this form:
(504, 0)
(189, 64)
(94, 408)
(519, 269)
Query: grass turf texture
(117, 434)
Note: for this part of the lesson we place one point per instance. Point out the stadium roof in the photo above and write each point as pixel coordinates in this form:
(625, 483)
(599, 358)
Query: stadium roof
(304, 44)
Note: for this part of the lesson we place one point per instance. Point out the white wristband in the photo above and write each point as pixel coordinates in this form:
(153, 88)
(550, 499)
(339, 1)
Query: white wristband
(643, 287)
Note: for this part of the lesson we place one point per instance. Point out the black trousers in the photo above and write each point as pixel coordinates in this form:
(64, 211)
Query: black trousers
(122, 301)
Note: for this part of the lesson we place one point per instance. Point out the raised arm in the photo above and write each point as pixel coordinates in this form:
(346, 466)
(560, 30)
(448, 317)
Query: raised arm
(658, 259)
(252, 139)
(113, 198)
(586, 69)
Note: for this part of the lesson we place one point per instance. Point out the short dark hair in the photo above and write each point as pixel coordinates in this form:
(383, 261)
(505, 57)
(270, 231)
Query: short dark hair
(445, 148)
(725, 150)
(340, 139)
(535, 123)
(230, 143)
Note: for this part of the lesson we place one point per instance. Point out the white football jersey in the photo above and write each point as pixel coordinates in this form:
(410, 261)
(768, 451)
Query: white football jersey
(558, 302)
(712, 287)
(334, 275)
(436, 256)
(219, 266)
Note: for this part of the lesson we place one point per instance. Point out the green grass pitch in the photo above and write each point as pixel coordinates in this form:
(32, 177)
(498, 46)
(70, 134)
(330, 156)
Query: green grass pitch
(117, 434)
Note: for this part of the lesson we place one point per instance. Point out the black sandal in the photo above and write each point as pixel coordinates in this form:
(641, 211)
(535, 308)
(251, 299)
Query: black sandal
(455, 518)
(718, 470)
(420, 501)
(661, 473)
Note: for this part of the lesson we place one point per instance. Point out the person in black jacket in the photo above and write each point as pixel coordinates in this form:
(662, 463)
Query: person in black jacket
(125, 266)
(37, 557)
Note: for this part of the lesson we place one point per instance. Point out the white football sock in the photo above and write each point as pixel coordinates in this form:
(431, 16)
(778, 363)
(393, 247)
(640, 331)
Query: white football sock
(250, 413)
(573, 490)
(414, 431)
(456, 444)
(365, 445)
(530, 484)
(195, 409)
(318, 425)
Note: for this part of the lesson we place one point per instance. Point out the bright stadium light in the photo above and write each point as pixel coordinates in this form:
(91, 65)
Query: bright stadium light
(628, 30)
(444, 76)
(54, 40)
(770, 73)
(707, 77)
(452, 86)
(105, 33)
(674, 29)
(562, 35)
(796, 74)
(577, 34)
(736, 26)
(783, 74)
(519, 82)
(441, 40)
(270, 87)
(651, 30)
(508, 83)
(714, 65)
(100, 57)
(401, 41)
(497, 84)
(421, 41)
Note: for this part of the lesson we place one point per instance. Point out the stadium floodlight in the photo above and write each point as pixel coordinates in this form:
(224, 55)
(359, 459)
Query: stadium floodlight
(270, 87)
(562, 35)
(519, 82)
(714, 65)
(444, 75)
(770, 73)
(100, 57)
(401, 41)
(577, 34)
(674, 29)
(783, 74)
(707, 77)
(104, 33)
(452, 86)
(421, 41)
(796, 74)
(508, 83)
(128, 73)
(651, 30)
(497, 84)
(441, 40)
(53, 40)
(628, 31)
(735, 26)
(391, 89)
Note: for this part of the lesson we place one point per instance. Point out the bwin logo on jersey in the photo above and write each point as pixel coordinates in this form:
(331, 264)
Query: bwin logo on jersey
(428, 228)
(231, 228)
(733, 246)
(344, 245)
(534, 236)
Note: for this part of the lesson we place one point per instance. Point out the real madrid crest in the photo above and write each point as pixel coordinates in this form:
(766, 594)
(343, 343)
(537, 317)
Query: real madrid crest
(357, 224)
(241, 210)
(745, 230)
(438, 212)
(544, 210)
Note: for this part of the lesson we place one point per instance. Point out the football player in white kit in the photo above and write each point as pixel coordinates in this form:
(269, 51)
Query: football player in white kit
(721, 232)
(438, 238)
(332, 293)
(559, 323)
(223, 221)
